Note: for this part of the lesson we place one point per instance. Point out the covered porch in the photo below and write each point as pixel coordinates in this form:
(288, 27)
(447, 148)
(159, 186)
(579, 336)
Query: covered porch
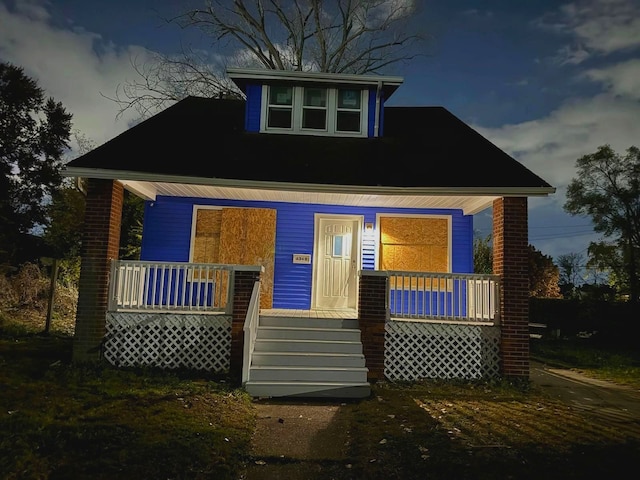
(391, 305)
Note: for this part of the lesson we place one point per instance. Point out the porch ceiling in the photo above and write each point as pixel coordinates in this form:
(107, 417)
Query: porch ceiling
(469, 204)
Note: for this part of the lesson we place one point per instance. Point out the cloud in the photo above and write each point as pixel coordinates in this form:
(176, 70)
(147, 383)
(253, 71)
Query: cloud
(605, 26)
(550, 146)
(72, 65)
(620, 79)
(596, 27)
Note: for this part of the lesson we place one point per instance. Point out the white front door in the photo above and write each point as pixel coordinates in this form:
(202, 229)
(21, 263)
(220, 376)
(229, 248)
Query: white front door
(337, 260)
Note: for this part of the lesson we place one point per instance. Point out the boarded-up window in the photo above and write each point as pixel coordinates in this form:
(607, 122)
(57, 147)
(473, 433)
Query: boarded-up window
(238, 236)
(414, 244)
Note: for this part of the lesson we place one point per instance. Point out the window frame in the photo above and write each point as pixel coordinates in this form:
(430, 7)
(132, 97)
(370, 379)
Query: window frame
(331, 109)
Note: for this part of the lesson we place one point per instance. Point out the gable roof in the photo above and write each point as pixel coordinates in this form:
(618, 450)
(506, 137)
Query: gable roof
(201, 141)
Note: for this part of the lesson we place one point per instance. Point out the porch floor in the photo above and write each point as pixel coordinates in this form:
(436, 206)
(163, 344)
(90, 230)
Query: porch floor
(281, 312)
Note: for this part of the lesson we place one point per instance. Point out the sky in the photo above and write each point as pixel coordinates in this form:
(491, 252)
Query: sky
(547, 81)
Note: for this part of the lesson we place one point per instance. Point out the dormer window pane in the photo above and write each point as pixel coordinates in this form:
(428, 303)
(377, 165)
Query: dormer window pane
(314, 109)
(280, 107)
(348, 122)
(349, 99)
(315, 97)
(280, 117)
(281, 96)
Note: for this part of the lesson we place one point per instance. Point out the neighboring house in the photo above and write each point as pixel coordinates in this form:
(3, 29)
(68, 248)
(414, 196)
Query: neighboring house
(338, 206)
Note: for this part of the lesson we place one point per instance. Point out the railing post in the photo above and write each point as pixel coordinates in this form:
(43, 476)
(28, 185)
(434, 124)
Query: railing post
(372, 317)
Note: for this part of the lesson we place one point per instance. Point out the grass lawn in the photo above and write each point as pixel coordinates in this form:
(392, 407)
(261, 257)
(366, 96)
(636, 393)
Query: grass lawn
(59, 421)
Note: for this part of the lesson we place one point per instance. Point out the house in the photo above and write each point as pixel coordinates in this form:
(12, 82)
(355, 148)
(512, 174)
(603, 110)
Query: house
(308, 239)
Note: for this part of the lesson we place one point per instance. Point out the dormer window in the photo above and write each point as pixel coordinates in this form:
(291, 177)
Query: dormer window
(280, 112)
(314, 110)
(348, 114)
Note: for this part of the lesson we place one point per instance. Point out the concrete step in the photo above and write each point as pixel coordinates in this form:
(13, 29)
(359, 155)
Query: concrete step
(308, 374)
(308, 389)
(315, 346)
(309, 333)
(273, 321)
(311, 359)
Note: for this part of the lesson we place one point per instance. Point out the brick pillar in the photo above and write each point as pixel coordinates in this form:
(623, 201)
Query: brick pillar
(100, 245)
(372, 315)
(243, 280)
(510, 261)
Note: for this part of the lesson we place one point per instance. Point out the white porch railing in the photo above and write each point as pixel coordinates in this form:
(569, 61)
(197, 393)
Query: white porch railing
(444, 296)
(175, 286)
(187, 287)
(250, 331)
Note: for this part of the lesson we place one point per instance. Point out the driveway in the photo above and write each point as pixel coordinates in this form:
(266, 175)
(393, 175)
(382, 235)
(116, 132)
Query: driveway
(602, 401)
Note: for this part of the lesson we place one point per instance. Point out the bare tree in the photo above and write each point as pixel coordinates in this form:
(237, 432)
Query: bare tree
(164, 79)
(337, 36)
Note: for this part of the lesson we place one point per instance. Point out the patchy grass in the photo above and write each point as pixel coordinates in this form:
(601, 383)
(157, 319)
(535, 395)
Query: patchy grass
(592, 358)
(63, 421)
(443, 430)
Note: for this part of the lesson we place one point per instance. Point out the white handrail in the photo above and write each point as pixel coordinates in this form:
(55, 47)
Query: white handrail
(250, 331)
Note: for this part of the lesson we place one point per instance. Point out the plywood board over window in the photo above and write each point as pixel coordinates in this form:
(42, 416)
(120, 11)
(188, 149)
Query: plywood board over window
(239, 236)
(206, 244)
(415, 244)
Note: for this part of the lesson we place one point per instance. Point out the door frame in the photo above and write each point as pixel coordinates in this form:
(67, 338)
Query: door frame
(356, 242)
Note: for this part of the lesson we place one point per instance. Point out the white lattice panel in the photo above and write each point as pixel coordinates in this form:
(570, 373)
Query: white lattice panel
(420, 350)
(200, 342)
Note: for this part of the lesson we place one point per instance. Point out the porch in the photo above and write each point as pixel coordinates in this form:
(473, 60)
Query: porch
(409, 325)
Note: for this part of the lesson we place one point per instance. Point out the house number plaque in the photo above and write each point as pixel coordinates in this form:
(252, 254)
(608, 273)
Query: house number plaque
(301, 258)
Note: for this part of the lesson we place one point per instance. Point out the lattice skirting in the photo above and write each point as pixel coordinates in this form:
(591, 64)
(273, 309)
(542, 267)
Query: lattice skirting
(419, 350)
(200, 342)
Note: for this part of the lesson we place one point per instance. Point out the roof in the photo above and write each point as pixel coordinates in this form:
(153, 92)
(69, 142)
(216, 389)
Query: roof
(424, 151)
(243, 76)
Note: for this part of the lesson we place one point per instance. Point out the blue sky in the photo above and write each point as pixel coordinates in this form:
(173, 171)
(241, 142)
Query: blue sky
(546, 81)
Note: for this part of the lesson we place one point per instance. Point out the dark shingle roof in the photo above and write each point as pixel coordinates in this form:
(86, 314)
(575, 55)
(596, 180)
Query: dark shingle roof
(421, 147)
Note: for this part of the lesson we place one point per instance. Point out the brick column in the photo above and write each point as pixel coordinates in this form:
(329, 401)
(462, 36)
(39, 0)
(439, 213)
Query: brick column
(372, 315)
(100, 245)
(243, 280)
(510, 261)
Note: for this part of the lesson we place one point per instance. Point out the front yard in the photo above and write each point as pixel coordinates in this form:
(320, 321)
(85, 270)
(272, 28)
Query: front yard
(63, 421)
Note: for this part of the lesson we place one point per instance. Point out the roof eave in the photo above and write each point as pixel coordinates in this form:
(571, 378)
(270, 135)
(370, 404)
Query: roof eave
(120, 175)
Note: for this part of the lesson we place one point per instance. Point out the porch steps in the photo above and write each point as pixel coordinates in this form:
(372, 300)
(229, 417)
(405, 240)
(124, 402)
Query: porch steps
(308, 357)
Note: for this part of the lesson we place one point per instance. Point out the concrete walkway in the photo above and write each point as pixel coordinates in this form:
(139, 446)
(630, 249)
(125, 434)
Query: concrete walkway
(299, 440)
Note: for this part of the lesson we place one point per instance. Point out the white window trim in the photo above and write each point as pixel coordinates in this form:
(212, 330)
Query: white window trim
(332, 118)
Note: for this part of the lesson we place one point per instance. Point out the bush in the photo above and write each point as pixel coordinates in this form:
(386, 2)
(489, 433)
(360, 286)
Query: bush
(24, 299)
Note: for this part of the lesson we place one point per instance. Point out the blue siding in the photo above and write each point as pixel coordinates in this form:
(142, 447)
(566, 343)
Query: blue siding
(462, 243)
(252, 108)
(167, 233)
